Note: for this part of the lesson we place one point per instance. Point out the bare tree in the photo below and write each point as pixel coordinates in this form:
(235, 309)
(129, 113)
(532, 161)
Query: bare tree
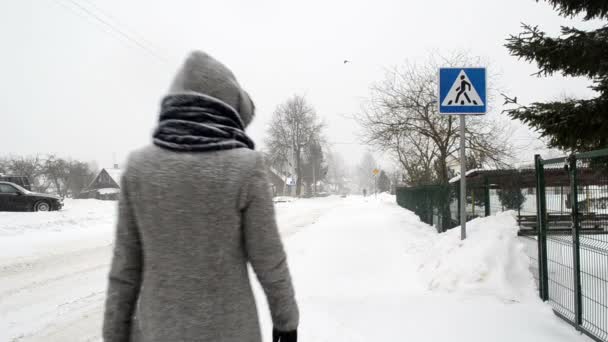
(31, 167)
(79, 176)
(57, 171)
(293, 127)
(50, 173)
(4, 166)
(402, 118)
(416, 154)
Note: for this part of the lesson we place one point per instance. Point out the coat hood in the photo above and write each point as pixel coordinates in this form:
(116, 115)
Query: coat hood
(203, 74)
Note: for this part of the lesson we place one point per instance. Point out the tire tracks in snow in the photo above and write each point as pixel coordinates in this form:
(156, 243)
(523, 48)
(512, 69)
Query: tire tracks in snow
(56, 293)
(60, 296)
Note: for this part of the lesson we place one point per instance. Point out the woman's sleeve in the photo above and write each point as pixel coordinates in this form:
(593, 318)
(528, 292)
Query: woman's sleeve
(266, 253)
(125, 272)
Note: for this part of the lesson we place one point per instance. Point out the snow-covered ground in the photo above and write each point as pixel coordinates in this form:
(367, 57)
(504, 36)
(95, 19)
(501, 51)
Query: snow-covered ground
(364, 270)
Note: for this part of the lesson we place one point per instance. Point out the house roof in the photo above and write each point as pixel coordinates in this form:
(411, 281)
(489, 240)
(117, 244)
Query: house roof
(526, 178)
(115, 174)
(467, 174)
(280, 174)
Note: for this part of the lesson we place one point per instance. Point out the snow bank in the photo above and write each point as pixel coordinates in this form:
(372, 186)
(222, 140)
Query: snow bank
(76, 214)
(108, 191)
(282, 199)
(491, 261)
(90, 223)
(32, 235)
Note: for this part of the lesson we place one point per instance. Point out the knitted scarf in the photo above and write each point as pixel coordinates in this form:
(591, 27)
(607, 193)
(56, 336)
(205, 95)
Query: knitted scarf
(199, 123)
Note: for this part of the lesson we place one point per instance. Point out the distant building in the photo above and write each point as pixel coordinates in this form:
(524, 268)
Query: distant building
(281, 184)
(276, 183)
(106, 186)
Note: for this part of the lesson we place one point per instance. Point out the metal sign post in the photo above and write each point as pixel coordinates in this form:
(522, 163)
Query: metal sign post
(463, 181)
(462, 91)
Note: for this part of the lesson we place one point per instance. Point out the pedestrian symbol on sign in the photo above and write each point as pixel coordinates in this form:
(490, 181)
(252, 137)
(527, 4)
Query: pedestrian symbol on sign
(462, 93)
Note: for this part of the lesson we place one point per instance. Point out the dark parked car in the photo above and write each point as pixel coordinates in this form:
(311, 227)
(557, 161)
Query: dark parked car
(15, 198)
(22, 181)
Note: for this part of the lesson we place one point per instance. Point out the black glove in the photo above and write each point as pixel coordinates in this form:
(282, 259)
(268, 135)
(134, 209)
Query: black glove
(284, 336)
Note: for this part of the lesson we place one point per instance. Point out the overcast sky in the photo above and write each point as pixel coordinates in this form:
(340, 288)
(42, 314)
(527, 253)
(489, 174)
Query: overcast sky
(71, 85)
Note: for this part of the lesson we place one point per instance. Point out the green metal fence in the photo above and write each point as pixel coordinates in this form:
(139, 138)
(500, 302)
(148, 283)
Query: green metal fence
(573, 239)
(432, 203)
(488, 192)
(562, 212)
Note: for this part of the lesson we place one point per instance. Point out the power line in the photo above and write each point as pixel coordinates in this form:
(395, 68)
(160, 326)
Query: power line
(118, 23)
(113, 29)
(346, 143)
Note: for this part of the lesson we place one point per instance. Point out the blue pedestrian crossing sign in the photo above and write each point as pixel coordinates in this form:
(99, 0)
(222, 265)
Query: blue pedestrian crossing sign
(462, 91)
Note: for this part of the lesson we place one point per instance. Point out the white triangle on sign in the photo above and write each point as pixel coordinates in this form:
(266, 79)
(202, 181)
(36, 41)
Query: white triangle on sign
(457, 96)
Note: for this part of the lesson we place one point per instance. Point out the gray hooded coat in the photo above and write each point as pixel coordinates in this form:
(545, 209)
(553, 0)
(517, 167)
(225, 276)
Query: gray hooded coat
(188, 225)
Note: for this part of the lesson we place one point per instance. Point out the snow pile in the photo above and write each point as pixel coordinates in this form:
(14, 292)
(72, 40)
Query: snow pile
(491, 261)
(76, 214)
(297, 213)
(282, 199)
(386, 197)
(108, 191)
(31, 235)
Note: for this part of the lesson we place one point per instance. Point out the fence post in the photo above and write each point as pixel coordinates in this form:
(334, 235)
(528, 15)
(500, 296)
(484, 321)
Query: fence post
(486, 203)
(541, 211)
(578, 305)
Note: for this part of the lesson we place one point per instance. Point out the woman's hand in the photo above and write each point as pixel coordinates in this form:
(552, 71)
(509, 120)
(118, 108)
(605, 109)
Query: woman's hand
(284, 336)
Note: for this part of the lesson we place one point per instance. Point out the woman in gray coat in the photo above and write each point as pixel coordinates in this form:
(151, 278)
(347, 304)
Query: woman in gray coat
(195, 209)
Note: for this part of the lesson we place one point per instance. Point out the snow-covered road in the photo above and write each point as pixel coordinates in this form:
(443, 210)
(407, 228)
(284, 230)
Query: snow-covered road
(364, 270)
(53, 267)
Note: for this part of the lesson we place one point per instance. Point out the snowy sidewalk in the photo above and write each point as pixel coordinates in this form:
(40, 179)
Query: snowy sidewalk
(358, 277)
(364, 270)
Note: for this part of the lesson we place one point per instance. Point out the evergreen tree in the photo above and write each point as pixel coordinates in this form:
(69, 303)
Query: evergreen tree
(384, 183)
(511, 198)
(570, 124)
(314, 168)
